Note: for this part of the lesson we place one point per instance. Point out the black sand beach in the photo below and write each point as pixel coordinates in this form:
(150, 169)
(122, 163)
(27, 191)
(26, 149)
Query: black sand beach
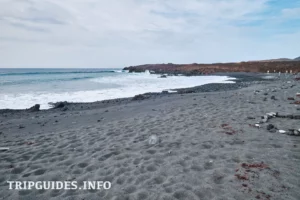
(209, 144)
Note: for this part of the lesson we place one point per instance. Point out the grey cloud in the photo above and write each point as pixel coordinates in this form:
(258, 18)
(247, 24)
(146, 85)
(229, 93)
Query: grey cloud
(30, 28)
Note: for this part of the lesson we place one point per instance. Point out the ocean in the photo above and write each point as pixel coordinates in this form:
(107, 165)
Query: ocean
(23, 88)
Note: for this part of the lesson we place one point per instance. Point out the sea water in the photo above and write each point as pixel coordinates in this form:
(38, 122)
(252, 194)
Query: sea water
(22, 88)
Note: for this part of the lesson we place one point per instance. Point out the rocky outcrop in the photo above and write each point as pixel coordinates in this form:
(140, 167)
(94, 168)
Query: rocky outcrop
(35, 108)
(198, 69)
(139, 97)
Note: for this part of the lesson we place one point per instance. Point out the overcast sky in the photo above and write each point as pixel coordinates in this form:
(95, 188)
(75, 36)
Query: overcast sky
(119, 33)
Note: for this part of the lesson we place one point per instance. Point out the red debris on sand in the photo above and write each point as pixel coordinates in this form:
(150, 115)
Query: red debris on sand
(230, 133)
(297, 102)
(297, 79)
(291, 98)
(255, 165)
(249, 174)
(224, 125)
(229, 129)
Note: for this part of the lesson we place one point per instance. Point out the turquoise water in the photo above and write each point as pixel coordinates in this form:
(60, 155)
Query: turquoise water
(54, 79)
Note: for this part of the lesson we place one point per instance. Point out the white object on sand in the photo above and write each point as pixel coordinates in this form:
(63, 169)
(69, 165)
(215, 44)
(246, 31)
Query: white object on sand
(257, 125)
(4, 148)
(153, 139)
(265, 118)
(271, 114)
(282, 131)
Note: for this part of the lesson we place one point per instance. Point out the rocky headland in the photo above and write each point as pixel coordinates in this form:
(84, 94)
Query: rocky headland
(199, 69)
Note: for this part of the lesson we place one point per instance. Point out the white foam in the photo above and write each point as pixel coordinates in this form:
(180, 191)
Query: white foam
(269, 77)
(130, 84)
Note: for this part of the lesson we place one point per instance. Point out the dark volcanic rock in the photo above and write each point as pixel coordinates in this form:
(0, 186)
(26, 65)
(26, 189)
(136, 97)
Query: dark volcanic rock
(139, 97)
(186, 91)
(270, 127)
(289, 116)
(59, 104)
(134, 70)
(21, 126)
(35, 108)
(273, 98)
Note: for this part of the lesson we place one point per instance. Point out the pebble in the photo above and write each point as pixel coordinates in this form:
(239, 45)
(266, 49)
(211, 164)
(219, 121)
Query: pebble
(270, 127)
(264, 118)
(272, 114)
(294, 132)
(282, 131)
(4, 148)
(21, 126)
(153, 139)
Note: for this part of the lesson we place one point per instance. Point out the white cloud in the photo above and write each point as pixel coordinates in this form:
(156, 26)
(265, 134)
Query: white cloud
(117, 33)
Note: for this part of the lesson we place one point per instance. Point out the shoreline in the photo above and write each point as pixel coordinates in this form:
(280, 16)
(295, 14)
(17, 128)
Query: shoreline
(242, 79)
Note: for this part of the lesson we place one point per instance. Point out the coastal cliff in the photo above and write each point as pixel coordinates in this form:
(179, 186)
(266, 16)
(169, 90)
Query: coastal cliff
(198, 69)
